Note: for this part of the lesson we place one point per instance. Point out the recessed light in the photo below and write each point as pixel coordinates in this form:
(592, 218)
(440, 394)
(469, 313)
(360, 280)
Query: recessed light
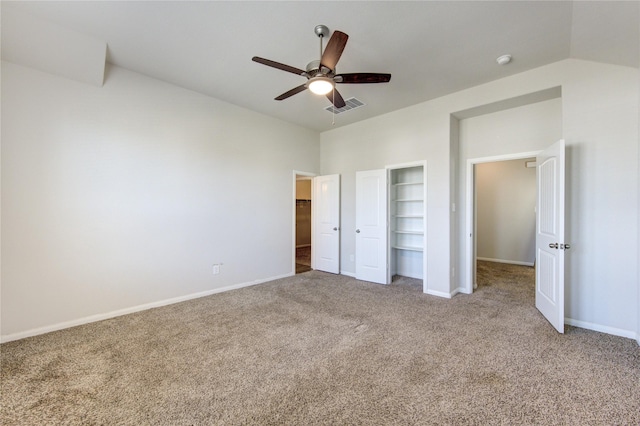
(504, 59)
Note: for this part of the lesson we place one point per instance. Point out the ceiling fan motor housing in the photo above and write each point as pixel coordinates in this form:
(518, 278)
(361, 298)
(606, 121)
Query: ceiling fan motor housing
(313, 69)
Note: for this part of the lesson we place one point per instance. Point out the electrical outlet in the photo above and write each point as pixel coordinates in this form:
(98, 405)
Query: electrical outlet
(216, 269)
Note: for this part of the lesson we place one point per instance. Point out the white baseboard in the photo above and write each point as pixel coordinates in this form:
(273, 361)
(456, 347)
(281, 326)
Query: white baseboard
(439, 294)
(602, 328)
(510, 262)
(456, 291)
(461, 290)
(99, 317)
(130, 310)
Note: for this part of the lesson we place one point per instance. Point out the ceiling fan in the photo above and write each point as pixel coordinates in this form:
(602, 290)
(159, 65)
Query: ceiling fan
(321, 75)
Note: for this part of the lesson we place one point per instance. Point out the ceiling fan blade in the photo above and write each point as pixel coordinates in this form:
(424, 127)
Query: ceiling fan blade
(336, 99)
(334, 49)
(362, 77)
(278, 65)
(292, 92)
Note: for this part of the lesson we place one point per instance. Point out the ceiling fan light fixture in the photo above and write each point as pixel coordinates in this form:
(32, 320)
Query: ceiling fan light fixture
(320, 85)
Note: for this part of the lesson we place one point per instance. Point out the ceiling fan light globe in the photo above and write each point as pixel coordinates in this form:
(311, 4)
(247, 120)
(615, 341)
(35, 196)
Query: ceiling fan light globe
(320, 85)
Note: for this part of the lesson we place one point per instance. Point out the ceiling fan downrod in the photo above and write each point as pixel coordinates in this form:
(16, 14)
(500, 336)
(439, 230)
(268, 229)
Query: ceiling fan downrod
(321, 31)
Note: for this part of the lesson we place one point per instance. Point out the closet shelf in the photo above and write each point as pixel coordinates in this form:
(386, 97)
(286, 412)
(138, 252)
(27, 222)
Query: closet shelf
(407, 183)
(408, 248)
(407, 212)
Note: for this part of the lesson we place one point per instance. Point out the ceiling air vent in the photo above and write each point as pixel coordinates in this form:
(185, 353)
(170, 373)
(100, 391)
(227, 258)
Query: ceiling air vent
(351, 103)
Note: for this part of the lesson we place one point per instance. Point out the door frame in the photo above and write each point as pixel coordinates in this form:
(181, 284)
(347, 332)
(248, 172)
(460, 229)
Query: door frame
(310, 175)
(470, 205)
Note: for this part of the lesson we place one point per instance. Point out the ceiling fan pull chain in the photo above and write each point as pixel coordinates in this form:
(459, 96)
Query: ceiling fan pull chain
(333, 116)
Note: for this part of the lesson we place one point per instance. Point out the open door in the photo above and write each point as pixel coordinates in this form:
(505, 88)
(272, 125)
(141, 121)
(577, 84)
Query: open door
(550, 244)
(326, 223)
(371, 226)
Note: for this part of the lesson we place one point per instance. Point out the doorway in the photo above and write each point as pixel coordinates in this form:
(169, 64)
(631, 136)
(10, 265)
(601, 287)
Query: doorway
(322, 206)
(500, 212)
(303, 221)
(505, 216)
(550, 243)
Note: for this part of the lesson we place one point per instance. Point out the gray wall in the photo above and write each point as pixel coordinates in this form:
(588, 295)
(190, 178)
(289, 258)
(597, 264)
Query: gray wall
(505, 211)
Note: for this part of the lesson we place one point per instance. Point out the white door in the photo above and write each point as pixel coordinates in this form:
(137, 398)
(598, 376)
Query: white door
(550, 244)
(326, 223)
(371, 226)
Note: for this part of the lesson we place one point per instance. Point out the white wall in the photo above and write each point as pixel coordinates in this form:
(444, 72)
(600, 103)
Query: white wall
(522, 129)
(126, 195)
(397, 138)
(600, 126)
(505, 211)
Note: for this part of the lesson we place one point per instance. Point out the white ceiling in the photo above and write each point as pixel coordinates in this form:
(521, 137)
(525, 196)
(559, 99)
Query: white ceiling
(431, 48)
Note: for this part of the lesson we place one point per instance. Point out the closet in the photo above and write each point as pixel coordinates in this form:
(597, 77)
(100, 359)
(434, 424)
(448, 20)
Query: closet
(407, 221)
(303, 224)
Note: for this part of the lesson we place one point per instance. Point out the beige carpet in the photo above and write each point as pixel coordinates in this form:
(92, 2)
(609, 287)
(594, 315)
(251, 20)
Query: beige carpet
(323, 349)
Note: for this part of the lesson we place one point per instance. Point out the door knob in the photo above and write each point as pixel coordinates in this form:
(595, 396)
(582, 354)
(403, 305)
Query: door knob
(565, 246)
(335, 228)
(357, 231)
(553, 245)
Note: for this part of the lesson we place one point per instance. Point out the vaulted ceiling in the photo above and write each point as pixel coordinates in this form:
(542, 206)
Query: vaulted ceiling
(431, 48)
